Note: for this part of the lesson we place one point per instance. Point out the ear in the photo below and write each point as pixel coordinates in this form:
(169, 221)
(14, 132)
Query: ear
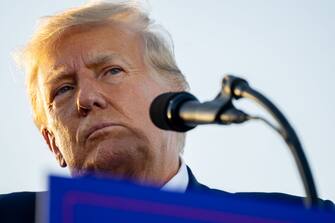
(51, 141)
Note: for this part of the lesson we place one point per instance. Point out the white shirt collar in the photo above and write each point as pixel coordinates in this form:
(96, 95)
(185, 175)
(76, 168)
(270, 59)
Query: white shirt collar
(179, 182)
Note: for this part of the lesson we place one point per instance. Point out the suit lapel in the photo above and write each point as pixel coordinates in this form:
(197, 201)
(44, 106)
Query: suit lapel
(193, 184)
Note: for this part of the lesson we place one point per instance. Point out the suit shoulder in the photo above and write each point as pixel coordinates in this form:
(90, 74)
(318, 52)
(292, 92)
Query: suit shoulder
(19, 196)
(326, 205)
(17, 207)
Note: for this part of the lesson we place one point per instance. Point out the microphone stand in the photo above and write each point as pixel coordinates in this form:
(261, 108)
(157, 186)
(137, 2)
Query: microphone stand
(236, 88)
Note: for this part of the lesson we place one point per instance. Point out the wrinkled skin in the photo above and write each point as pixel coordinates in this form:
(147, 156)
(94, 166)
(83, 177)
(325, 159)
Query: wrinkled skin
(96, 90)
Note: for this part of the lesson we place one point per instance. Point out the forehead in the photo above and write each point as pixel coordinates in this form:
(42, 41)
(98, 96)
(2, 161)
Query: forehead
(89, 42)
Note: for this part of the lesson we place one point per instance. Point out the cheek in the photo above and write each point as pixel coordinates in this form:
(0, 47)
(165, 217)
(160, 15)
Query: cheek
(64, 113)
(65, 133)
(139, 100)
(65, 105)
(64, 123)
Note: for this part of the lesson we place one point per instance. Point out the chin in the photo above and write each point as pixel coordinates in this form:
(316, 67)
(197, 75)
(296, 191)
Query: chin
(113, 160)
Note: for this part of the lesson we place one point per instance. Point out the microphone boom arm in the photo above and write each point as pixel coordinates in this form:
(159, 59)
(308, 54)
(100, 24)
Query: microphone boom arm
(238, 88)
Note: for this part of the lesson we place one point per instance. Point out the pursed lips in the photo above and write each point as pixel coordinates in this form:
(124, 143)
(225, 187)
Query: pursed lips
(97, 127)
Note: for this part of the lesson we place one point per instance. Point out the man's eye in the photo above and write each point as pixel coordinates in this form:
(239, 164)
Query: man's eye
(62, 90)
(114, 71)
(113, 75)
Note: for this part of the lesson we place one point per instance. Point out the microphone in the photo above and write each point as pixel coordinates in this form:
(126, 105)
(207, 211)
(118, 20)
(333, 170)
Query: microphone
(181, 111)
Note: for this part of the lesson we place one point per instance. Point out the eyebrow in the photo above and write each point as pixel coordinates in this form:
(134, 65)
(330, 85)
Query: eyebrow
(104, 58)
(57, 77)
(59, 74)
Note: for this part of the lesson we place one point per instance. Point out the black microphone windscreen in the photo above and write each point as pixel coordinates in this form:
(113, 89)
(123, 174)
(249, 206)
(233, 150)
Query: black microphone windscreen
(164, 111)
(158, 110)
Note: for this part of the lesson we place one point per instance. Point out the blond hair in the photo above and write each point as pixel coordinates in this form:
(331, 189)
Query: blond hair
(158, 48)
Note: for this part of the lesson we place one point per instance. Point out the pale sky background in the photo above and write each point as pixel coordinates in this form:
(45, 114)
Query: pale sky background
(284, 48)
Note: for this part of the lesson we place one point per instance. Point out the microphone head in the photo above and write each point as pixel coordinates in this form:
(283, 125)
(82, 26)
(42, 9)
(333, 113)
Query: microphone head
(164, 111)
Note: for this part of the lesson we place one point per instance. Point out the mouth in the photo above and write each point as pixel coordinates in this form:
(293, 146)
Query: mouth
(95, 129)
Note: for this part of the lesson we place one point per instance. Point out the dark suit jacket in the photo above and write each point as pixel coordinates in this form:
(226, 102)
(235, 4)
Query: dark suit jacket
(195, 186)
(20, 207)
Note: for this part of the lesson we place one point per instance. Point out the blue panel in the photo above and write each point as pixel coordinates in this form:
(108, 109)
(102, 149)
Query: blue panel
(96, 200)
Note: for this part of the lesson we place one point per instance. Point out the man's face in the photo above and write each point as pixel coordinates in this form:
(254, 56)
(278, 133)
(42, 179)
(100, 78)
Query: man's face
(96, 90)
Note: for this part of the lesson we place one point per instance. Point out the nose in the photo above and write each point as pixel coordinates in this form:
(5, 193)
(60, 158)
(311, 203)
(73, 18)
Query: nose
(90, 96)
